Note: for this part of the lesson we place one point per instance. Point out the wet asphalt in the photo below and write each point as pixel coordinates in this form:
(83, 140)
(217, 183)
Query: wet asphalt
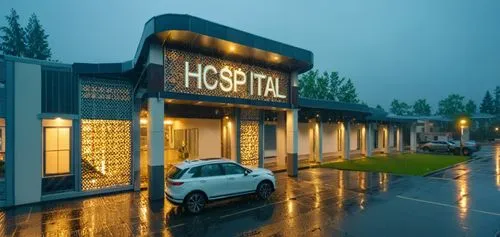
(461, 201)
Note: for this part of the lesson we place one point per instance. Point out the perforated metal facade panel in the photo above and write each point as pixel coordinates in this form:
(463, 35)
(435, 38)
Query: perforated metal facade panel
(249, 137)
(106, 139)
(106, 99)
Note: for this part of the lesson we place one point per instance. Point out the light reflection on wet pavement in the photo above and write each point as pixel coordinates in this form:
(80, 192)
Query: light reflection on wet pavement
(464, 200)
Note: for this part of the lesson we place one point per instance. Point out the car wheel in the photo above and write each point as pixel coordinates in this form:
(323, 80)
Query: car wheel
(466, 152)
(264, 190)
(195, 202)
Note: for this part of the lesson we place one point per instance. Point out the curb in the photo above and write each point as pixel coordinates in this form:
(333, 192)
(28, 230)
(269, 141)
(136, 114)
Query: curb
(451, 166)
(300, 168)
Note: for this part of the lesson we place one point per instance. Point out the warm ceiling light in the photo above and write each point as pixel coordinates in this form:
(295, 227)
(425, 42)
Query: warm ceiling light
(276, 58)
(58, 119)
(143, 121)
(168, 122)
(232, 48)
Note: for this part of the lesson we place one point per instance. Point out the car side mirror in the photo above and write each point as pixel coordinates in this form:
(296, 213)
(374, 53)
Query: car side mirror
(247, 172)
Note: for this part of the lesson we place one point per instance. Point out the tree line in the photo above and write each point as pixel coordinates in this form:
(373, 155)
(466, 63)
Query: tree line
(327, 86)
(30, 41)
(452, 105)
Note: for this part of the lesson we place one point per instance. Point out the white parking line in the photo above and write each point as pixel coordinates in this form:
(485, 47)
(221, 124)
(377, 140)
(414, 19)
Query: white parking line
(447, 205)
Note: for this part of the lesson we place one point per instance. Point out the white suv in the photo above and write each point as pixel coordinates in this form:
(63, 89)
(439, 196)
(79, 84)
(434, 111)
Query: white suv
(193, 183)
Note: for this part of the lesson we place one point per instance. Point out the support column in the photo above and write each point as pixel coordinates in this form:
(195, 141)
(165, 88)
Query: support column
(413, 137)
(318, 135)
(281, 140)
(387, 131)
(261, 139)
(400, 138)
(368, 139)
(155, 145)
(347, 140)
(292, 142)
(136, 145)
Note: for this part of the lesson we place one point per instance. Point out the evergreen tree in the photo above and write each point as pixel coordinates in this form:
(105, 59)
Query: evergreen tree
(470, 107)
(487, 106)
(451, 105)
(421, 108)
(400, 108)
(380, 107)
(37, 45)
(307, 83)
(334, 85)
(347, 92)
(322, 87)
(497, 100)
(13, 36)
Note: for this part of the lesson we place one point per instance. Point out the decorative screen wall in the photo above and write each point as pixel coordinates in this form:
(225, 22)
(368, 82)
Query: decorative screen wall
(106, 153)
(175, 69)
(249, 137)
(106, 110)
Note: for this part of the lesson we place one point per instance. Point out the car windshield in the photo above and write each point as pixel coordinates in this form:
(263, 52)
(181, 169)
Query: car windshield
(174, 172)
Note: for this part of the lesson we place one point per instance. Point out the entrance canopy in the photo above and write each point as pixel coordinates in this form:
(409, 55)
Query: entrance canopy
(196, 34)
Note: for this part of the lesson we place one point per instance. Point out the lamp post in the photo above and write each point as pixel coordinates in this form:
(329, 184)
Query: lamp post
(463, 124)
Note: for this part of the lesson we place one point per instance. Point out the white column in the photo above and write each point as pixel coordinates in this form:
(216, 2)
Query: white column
(156, 150)
(368, 139)
(400, 138)
(281, 140)
(413, 137)
(319, 140)
(292, 141)
(386, 132)
(347, 140)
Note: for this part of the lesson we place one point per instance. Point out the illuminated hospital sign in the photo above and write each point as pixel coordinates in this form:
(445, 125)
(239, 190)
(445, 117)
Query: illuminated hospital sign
(227, 80)
(192, 73)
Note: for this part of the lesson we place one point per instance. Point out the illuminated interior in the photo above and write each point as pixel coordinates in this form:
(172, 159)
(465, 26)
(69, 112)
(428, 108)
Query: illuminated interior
(106, 153)
(56, 146)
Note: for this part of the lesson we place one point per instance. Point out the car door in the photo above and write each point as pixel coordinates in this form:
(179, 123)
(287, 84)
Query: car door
(237, 181)
(212, 181)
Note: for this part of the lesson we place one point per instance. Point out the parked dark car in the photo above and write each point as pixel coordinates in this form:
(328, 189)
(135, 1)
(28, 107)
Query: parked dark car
(436, 146)
(468, 148)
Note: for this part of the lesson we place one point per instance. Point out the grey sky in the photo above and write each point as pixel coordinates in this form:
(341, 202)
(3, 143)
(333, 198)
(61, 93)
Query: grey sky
(390, 48)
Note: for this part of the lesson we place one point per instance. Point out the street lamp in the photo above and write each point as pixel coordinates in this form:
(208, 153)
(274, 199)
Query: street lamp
(496, 129)
(463, 124)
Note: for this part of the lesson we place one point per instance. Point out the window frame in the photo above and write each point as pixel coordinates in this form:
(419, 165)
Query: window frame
(70, 151)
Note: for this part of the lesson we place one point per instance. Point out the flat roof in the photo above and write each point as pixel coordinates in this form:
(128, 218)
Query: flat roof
(333, 105)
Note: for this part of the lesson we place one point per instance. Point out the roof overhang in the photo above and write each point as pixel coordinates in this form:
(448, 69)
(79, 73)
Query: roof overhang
(197, 34)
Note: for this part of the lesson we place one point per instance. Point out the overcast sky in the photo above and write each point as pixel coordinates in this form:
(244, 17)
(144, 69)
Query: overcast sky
(406, 49)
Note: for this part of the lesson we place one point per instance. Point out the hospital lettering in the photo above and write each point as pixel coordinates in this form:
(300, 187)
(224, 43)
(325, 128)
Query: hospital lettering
(227, 80)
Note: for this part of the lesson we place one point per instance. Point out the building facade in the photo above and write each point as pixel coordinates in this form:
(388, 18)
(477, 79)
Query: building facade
(195, 89)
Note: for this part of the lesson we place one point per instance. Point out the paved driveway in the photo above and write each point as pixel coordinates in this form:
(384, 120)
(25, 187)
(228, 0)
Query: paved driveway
(463, 201)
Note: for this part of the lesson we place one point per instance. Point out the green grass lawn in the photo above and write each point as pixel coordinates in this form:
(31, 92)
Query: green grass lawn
(409, 164)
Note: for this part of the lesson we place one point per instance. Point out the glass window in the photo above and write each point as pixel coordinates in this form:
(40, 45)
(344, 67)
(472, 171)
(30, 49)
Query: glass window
(57, 150)
(174, 172)
(232, 169)
(209, 171)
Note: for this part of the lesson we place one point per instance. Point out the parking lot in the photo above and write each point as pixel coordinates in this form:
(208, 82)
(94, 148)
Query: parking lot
(320, 202)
